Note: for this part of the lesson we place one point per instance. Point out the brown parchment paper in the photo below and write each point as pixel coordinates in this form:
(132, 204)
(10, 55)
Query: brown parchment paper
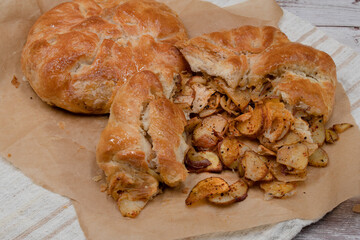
(57, 149)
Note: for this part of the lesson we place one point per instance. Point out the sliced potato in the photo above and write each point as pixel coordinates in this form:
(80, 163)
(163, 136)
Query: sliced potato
(317, 129)
(252, 127)
(341, 127)
(289, 139)
(293, 171)
(228, 150)
(206, 134)
(237, 193)
(278, 189)
(277, 120)
(248, 182)
(254, 166)
(207, 112)
(331, 136)
(241, 169)
(232, 130)
(194, 160)
(311, 147)
(319, 158)
(206, 188)
(265, 151)
(205, 161)
(268, 177)
(295, 156)
(279, 172)
(192, 123)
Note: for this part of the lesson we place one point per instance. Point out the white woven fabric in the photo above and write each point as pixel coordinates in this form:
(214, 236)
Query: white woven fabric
(28, 211)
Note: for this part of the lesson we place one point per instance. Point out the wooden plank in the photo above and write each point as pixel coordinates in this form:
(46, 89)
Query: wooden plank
(341, 223)
(325, 12)
(349, 36)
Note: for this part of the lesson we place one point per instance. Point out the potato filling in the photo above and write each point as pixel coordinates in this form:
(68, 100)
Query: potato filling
(251, 131)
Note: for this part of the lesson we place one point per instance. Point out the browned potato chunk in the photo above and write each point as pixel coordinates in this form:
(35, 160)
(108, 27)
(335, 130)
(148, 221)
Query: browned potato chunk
(206, 134)
(207, 188)
(237, 193)
(252, 126)
(277, 189)
(203, 161)
(228, 150)
(279, 172)
(341, 127)
(331, 136)
(254, 166)
(317, 129)
(319, 158)
(295, 156)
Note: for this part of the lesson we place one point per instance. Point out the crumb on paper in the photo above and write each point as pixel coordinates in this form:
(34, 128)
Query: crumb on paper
(65, 207)
(9, 155)
(15, 82)
(61, 125)
(103, 187)
(185, 190)
(81, 147)
(356, 208)
(97, 178)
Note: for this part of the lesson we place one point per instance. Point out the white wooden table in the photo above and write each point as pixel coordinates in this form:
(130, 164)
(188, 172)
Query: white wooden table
(340, 19)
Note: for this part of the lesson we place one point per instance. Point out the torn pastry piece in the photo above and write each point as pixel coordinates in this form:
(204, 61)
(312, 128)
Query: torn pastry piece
(265, 88)
(142, 145)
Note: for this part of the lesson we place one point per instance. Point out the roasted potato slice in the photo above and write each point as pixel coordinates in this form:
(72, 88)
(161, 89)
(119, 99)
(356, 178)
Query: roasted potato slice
(207, 112)
(268, 177)
(205, 161)
(277, 119)
(237, 193)
(241, 169)
(341, 127)
(295, 156)
(264, 151)
(194, 160)
(319, 158)
(317, 129)
(228, 150)
(206, 134)
(277, 189)
(192, 123)
(279, 172)
(207, 188)
(252, 127)
(289, 139)
(254, 166)
(331, 136)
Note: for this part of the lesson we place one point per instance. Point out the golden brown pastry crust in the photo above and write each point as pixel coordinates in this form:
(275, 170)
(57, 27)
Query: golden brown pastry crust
(142, 143)
(250, 56)
(79, 51)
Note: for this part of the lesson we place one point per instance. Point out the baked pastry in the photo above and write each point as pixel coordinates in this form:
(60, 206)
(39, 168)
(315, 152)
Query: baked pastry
(143, 143)
(250, 57)
(78, 52)
(256, 103)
